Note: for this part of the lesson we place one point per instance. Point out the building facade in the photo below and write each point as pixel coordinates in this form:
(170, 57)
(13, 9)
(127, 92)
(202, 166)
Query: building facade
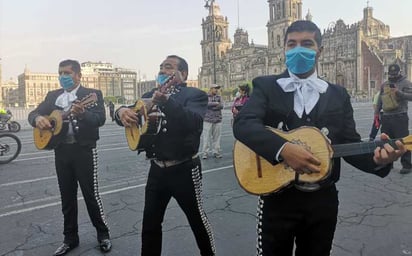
(9, 93)
(355, 56)
(113, 81)
(33, 87)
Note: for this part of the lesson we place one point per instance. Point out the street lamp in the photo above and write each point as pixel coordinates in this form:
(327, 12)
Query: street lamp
(209, 6)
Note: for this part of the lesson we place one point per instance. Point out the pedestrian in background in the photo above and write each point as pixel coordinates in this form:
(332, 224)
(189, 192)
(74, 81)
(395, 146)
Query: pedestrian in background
(212, 124)
(111, 110)
(393, 100)
(240, 100)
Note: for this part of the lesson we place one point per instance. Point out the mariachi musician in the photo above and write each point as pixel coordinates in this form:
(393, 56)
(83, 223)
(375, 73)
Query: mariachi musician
(302, 218)
(175, 168)
(75, 153)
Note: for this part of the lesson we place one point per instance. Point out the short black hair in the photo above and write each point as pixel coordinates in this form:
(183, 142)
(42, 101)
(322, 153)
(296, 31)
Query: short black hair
(304, 26)
(74, 63)
(182, 65)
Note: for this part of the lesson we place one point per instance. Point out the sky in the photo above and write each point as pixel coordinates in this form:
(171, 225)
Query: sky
(139, 34)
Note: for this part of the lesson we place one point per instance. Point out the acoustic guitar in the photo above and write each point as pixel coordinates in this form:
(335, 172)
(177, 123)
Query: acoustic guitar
(140, 134)
(258, 176)
(50, 138)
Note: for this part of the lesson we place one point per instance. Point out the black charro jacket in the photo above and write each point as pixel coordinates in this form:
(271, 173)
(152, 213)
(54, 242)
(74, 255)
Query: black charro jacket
(269, 105)
(179, 135)
(88, 123)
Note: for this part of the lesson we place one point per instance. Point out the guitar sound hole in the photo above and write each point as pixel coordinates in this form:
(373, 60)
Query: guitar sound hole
(53, 124)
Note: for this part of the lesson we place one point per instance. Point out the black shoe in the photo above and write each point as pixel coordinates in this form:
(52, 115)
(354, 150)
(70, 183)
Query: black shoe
(65, 248)
(105, 245)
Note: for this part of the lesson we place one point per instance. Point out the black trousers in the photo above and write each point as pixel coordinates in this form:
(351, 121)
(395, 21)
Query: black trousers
(77, 164)
(184, 183)
(397, 126)
(306, 219)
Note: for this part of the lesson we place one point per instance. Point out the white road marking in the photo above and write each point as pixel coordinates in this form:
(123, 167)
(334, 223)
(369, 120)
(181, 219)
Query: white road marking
(42, 206)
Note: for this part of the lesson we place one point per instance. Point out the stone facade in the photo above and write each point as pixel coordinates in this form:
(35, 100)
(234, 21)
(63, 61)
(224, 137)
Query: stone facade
(355, 56)
(243, 60)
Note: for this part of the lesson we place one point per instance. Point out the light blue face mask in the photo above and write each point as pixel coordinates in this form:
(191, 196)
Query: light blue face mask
(300, 60)
(66, 81)
(162, 78)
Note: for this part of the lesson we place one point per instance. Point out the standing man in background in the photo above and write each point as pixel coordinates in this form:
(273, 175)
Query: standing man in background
(111, 110)
(393, 100)
(76, 155)
(212, 124)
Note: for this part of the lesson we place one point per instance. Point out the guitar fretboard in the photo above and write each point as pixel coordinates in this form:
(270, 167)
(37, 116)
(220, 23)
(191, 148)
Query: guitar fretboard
(351, 149)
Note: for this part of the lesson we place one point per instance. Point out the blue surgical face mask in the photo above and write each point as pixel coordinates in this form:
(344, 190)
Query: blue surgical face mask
(66, 81)
(162, 78)
(300, 60)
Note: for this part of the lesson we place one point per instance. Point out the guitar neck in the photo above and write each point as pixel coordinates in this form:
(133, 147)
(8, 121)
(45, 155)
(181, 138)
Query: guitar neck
(350, 149)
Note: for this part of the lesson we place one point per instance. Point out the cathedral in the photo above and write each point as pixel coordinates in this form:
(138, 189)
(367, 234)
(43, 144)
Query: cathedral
(355, 56)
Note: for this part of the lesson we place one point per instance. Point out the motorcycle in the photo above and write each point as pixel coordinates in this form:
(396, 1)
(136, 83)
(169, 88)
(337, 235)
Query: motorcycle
(7, 124)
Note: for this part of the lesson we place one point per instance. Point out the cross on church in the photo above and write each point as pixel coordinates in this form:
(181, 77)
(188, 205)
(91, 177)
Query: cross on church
(367, 3)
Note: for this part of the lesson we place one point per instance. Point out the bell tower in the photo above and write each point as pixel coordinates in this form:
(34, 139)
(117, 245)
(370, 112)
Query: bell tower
(215, 41)
(281, 14)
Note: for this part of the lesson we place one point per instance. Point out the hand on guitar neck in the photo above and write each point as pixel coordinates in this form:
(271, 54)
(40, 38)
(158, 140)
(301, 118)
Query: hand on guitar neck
(304, 162)
(77, 109)
(129, 117)
(159, 98)
(161, 95)
(387, 154)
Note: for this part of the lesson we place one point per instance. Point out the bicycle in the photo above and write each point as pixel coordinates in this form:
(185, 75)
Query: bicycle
(10, 147)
